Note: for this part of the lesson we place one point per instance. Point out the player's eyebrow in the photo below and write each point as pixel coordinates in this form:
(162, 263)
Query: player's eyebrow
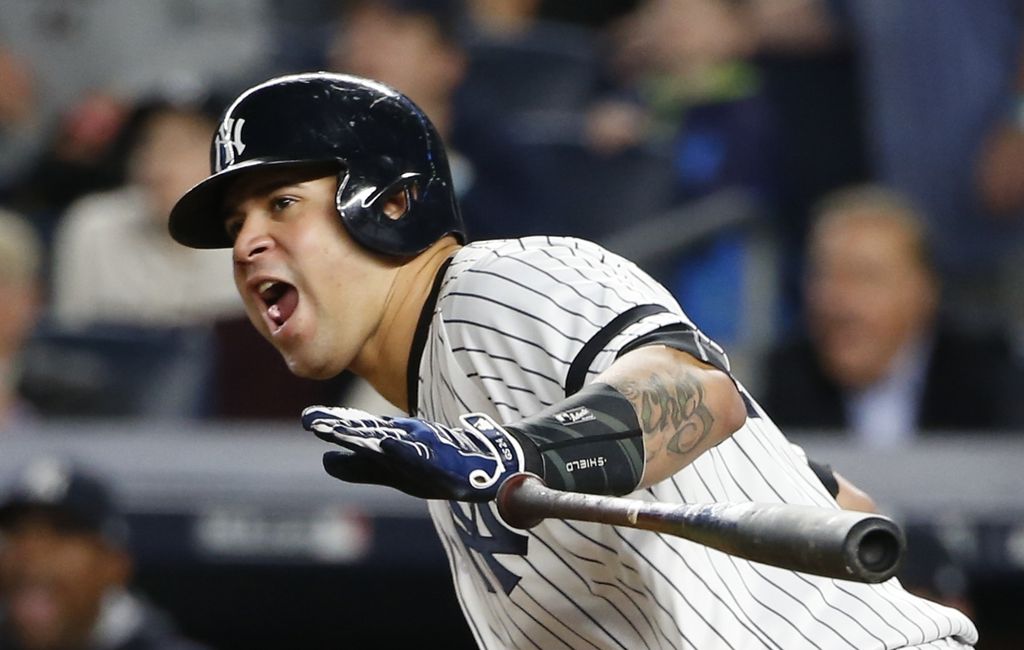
(238, 193)
(247, 187)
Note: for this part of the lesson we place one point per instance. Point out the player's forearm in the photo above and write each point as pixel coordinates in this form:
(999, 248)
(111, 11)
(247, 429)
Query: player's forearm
(647, 416)
(643, 419)
(684, 407)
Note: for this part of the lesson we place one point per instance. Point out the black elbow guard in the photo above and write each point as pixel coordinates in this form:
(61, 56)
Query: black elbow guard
(590, 442)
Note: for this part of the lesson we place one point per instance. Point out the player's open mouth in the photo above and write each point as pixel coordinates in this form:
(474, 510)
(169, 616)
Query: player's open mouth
(280, 300)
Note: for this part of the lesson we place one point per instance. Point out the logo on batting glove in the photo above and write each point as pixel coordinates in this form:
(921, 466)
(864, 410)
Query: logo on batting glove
(503, 448)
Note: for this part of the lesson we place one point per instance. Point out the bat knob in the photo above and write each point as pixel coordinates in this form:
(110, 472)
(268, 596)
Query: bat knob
(515, 511)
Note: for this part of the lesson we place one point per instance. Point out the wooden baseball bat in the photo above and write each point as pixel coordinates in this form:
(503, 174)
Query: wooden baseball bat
(821, 541)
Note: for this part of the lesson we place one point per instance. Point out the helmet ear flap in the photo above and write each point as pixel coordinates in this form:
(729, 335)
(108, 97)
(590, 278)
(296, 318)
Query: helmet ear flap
(376, 217)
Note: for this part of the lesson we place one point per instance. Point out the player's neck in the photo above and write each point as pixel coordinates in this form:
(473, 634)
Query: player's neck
(386, 367)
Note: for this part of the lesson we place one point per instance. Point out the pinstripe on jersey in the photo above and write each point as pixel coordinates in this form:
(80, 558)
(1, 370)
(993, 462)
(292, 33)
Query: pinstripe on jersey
(509, 319)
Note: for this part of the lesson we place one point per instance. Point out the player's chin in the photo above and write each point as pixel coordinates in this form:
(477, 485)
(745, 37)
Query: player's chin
(301, 369)
(308, 364)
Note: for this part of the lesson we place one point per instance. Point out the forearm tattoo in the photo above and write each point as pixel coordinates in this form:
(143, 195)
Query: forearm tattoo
(671, 409)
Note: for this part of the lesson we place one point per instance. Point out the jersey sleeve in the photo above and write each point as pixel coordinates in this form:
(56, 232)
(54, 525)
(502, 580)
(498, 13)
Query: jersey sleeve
(560, 309)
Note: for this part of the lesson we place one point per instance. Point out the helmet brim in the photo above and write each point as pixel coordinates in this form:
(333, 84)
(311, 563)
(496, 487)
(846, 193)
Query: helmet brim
(197, 219)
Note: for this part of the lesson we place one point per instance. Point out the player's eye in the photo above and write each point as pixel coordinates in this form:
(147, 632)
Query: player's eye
(233, 226)
(279, 203)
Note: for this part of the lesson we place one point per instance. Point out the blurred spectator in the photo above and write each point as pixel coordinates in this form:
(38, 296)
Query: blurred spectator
(695, 89)
(500, 18)
(415, 46)
(300, 32)
(20, 295)
(84, 152)
(942, 82)
(131, 329)
(939, 85)
(687, 62)
(65, 568)
(810, 77)
(524, 59)
(123, 50)
(17, 94)
(411, 45)
(880, 361)
(19, 123)
(113, 260)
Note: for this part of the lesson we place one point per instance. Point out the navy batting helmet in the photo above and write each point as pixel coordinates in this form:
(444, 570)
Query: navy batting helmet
(378, 139)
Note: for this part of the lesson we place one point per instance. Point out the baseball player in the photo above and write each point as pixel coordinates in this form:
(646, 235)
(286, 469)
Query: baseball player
(546, 355)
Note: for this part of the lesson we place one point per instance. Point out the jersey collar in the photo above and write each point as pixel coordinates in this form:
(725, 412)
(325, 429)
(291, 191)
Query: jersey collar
(419, 339)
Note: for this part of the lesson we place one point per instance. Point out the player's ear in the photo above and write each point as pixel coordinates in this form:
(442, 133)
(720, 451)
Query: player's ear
(399, 198)
(397, 204)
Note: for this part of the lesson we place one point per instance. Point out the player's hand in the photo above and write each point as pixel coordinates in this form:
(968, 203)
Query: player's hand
(421, 458)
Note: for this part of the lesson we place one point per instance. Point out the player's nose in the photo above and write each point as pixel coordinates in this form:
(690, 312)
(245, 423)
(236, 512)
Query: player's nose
(253, 240)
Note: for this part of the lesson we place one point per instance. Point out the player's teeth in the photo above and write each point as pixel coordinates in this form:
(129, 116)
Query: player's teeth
(266, 284)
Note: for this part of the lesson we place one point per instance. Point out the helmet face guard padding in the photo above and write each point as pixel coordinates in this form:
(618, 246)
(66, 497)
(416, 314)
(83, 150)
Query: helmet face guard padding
(379, 142)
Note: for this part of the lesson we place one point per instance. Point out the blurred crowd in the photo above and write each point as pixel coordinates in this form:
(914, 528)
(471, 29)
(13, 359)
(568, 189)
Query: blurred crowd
(834, 189)
(701, 138)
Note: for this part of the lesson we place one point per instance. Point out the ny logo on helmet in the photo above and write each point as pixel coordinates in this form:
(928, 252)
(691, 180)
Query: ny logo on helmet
(229, 141)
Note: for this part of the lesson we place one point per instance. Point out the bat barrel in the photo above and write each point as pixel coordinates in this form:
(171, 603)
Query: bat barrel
(822, 541)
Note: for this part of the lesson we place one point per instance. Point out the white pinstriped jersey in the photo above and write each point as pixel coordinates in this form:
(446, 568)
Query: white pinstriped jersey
(510, 318)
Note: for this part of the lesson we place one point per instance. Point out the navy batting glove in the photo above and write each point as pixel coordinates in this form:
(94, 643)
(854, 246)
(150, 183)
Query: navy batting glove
(421, 458)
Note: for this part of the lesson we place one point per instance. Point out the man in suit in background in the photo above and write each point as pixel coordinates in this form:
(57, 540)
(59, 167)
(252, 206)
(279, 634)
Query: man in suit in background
(879, 360)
